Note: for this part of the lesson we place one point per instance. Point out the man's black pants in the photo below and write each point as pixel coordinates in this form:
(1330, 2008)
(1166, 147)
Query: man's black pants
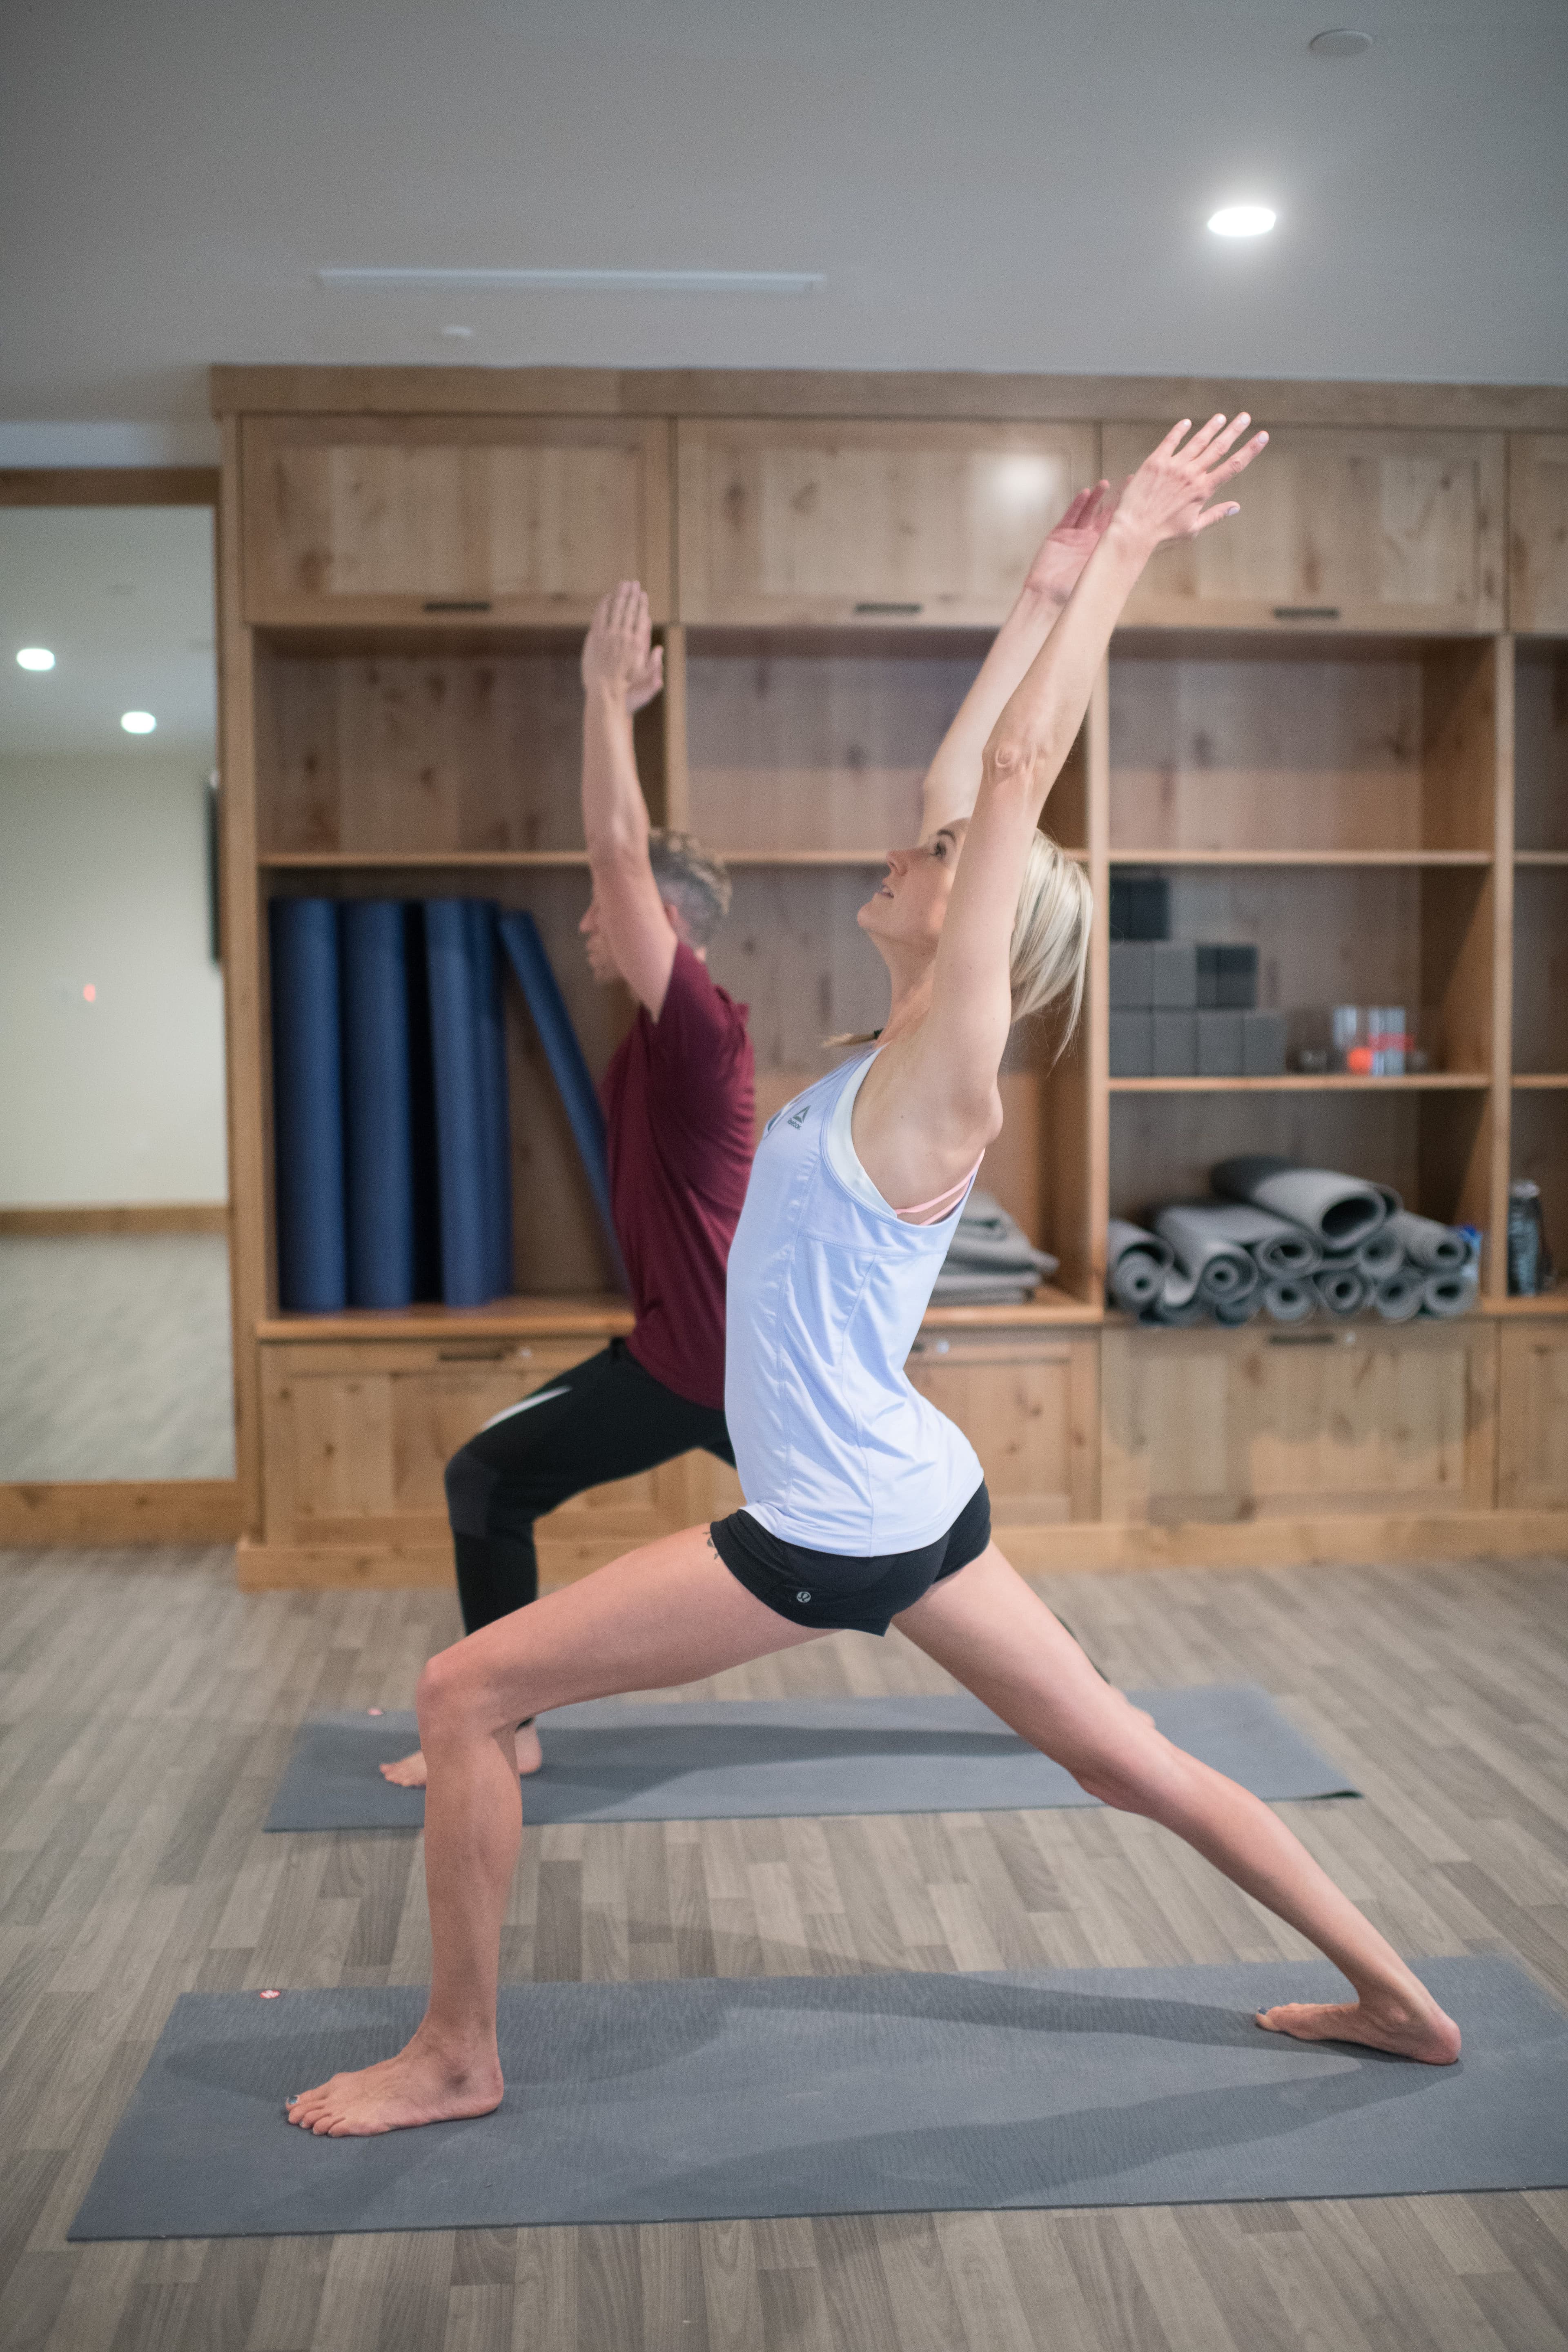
(604, 1419)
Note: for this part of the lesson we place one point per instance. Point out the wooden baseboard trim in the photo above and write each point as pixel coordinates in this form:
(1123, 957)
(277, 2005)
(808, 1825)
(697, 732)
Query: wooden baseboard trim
(131, 1217)
(1326, 1541)
(113, 1511)
(1260, 1543)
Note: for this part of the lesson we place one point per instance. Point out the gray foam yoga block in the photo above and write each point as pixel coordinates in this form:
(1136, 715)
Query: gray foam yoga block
(1131, 1044)
(1262, 1044)
(1132, 974)
(1228, 976)
(1176, 971)
(1219, 1045)
(1176, 1044)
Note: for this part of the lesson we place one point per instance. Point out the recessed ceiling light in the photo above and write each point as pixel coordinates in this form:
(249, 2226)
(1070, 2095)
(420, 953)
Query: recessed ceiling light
(1342, 44)
(582, 281)
(35, 658)
(1242, 220)
(137, 722)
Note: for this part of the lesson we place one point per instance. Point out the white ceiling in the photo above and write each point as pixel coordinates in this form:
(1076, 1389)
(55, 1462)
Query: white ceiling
(986, 184)
(123, 597)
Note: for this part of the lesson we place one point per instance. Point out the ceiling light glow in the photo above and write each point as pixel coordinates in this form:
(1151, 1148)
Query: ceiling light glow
(35, 658)
(1242, 220)
(1341, 43)
(137, 722)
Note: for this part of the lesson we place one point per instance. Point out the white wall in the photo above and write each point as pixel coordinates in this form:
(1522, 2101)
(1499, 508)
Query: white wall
(103, 882)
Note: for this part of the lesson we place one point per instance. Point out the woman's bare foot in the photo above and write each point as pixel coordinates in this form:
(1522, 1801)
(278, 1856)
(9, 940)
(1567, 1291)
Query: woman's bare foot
(1410, 2028)
(408, 1771)
(418, 2086)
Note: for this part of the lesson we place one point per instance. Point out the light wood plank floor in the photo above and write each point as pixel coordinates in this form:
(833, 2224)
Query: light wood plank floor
(145, 1711)
(114, 1356)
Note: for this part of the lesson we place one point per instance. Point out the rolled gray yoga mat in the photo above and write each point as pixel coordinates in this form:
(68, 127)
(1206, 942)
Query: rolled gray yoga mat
(1180, 1304)
(1233, 1312)
(1340, 1290)
(1290, 1302)
(1136, 1262)
(1220, 1268)
(1446, 1294)
(1339, 1211)
(1398, 1297)
(1380, 1255)
(1276, 1245)
(1427, 1244)
(751, 2097)
(732, 1759)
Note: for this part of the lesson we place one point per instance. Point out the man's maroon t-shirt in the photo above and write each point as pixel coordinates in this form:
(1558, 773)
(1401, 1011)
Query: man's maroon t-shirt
(677, 1098)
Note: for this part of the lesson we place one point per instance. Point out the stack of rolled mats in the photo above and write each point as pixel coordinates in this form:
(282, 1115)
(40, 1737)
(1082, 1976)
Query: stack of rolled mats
(1289, 1243)
(991, 1261)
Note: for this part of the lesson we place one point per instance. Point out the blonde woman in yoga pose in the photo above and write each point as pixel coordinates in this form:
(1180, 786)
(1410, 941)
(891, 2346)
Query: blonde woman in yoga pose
(864, 1505)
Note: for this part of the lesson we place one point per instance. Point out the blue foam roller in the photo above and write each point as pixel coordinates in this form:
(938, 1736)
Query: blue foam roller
(495, 1122)
(525, 950)
(378, 1140)
(464, 1191)
(308, 1106)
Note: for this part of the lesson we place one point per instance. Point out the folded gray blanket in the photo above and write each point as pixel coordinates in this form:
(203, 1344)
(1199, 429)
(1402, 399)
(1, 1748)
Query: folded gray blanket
(991, 1261)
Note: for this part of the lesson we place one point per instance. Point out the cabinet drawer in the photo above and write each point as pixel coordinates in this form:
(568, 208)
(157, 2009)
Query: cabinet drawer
(1339, 527)
(1538, 532)
(1028, 1402)
(451, 520)
(355, 1439)
(913, 525)
(1532, 1417)
(1228, 1425)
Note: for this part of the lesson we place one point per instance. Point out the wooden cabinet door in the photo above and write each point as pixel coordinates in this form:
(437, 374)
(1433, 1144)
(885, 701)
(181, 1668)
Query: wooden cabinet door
(1538, 532)
(1250, 1424)
(447, 520)
(357, 1436)
(914, 525)
(1339, 527)
(1532, 1416)
(1028, 1402)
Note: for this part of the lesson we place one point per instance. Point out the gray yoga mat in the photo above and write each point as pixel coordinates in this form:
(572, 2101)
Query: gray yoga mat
(1338, 1211)
(749, 2098)
(1220, 1266)
(613, 1761)
(1290, 1302)
(1136, 1263)
(1438, 1248)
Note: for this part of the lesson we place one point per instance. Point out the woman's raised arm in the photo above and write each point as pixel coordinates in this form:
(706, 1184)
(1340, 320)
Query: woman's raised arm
(934, 1105)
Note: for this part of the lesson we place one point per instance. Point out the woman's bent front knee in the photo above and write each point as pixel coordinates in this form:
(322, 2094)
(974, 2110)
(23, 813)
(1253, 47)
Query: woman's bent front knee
(1142, 1779)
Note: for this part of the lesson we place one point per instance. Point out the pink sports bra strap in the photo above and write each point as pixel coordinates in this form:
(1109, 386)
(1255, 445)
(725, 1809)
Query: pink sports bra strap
(931, 1212)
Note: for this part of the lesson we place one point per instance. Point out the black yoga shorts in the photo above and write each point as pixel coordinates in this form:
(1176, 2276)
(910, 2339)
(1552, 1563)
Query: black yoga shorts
(826, 1590)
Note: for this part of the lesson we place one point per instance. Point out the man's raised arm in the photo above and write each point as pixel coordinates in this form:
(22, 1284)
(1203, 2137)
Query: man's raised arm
(622, 670)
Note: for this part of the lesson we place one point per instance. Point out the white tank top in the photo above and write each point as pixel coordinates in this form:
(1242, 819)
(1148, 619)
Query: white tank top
(827, 1287)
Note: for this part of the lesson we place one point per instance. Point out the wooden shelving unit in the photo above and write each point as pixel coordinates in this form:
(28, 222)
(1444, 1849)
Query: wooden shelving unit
(1319, 730)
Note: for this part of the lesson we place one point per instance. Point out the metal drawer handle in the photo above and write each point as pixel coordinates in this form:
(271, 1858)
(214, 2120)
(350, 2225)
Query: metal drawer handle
(1311, 1338)
(457, 605)
(873, 607)
(1294, 611)
(470, 1355)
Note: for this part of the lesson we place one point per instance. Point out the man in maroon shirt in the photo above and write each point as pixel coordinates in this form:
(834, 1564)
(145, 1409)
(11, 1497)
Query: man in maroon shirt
(677, 1098)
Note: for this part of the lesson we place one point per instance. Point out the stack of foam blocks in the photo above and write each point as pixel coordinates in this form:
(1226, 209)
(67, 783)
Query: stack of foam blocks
(1182, 1010)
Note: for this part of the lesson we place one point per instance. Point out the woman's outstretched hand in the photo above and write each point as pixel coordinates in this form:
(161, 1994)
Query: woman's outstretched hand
(1168, 497)
(1055, 570)
(618, 653)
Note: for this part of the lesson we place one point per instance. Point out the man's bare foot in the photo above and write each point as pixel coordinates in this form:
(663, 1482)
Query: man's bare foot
(1410, 2028)
(418, 2086)
(408, 1771)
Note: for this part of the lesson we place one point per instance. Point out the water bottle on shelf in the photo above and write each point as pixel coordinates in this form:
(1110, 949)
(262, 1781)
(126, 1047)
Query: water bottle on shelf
(1530, 1267)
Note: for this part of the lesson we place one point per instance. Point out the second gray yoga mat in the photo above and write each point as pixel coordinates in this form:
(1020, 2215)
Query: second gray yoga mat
(746, 2098)
(615, 1761)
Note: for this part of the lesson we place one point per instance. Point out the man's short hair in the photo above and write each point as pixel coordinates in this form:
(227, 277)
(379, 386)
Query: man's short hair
(693, 880)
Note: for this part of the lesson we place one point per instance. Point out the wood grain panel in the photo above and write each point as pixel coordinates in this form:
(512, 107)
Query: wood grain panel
(1532, 1416)
(1205, 1424)
(1541, 969)
(530, 518)
(1028, 1403)
(1339, 528)
(1538, 532)
(1540, 739)
(932, 524)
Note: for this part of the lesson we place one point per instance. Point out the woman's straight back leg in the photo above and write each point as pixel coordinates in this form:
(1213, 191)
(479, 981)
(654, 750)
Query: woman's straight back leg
(998, 1637)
